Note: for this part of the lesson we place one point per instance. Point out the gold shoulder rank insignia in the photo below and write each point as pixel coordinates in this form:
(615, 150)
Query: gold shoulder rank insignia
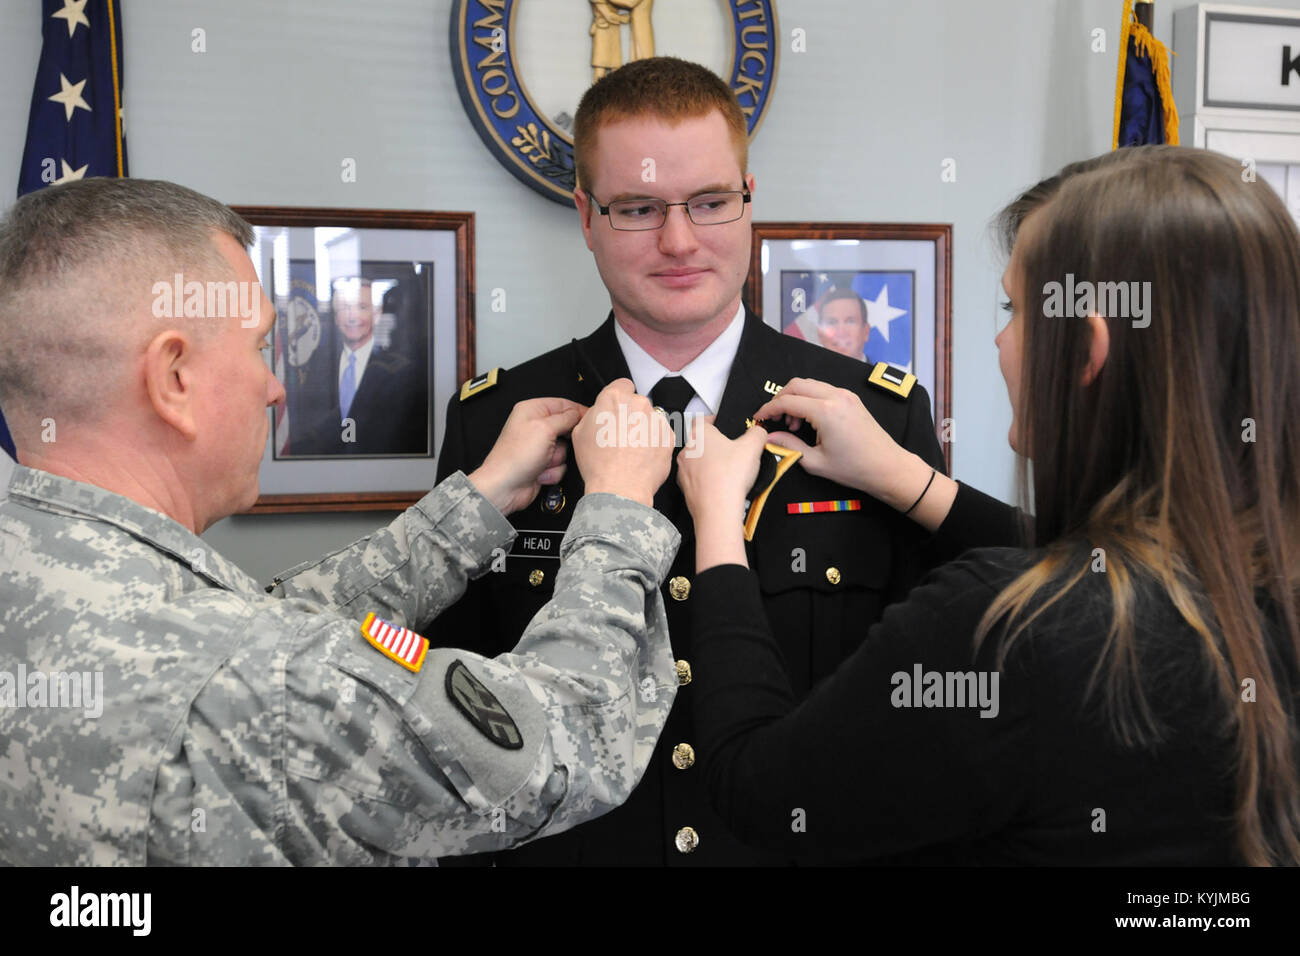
(892, 379)
(770, 471)
(480, 384)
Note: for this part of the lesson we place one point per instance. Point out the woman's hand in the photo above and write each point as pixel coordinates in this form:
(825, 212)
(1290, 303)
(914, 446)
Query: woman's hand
(852, 449)
(715, 474)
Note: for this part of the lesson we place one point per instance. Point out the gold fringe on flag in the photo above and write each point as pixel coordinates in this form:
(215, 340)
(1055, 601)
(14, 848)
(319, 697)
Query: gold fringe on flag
(117, 89)
(1146, 44)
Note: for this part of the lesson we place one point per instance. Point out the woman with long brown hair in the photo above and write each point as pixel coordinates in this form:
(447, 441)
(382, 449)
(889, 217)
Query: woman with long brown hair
(1122, 689)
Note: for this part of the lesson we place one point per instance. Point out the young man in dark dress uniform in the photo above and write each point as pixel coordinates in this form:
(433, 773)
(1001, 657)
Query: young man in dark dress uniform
(664, 203)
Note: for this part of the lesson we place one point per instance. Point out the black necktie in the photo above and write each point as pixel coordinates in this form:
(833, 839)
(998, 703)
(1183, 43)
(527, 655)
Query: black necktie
(672, 393)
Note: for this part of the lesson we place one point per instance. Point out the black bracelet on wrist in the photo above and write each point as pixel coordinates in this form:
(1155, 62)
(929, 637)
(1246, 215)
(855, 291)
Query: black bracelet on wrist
(933, 472)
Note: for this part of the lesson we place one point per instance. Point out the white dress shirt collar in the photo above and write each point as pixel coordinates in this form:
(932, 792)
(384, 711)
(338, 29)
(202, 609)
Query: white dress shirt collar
(707, 373)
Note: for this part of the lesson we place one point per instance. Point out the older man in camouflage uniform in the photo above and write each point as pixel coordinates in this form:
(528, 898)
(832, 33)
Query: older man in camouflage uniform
(158, 706)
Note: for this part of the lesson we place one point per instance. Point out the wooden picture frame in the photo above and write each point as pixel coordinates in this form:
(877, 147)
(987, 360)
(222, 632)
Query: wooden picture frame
(794, 266)
(391, 291)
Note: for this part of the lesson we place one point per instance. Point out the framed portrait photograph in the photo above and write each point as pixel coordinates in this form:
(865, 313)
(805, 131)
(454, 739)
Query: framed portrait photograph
(876, 293)
(373, 332)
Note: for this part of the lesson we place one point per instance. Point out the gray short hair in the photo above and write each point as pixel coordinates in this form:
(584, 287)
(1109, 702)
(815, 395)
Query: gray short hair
(77, 262)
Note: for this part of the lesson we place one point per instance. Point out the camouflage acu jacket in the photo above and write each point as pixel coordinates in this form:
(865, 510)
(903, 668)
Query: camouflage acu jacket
(158, 706)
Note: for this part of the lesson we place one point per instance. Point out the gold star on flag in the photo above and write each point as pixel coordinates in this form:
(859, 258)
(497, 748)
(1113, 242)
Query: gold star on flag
(74, 11)
(70, 96)
(69, 174)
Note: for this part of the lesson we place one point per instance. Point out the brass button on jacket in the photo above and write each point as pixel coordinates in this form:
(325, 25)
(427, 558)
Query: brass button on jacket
(683, 756)
(687, 840)
(680, 588)
(683, 673)
(833, 575)
(536, 576)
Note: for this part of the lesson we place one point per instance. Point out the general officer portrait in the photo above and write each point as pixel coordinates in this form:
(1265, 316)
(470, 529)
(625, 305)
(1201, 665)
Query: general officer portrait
(673, 255)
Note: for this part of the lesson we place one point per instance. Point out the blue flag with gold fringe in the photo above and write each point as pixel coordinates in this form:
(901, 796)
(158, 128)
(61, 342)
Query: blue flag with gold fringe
(74, 129)
(1145, 112)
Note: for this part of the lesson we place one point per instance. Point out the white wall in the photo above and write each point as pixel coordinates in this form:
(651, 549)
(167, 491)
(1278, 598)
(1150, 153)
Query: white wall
(857, 130)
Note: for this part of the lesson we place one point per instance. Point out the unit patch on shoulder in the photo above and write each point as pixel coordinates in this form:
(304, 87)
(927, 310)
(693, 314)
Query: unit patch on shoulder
(480, 384)
(396, 643)
(892, 379)
(482, 709)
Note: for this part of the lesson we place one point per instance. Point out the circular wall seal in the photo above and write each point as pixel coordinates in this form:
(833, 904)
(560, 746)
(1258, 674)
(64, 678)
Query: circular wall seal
(304, 330)
(522, 65)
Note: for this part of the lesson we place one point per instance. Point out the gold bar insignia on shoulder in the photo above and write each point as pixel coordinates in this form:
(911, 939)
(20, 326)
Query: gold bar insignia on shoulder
(480, 384)
(892, 379)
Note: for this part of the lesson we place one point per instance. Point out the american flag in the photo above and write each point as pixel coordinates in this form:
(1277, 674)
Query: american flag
(74, 129)
(396, 642)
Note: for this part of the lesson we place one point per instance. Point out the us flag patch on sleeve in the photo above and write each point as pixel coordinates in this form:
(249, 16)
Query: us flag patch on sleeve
(396, 643)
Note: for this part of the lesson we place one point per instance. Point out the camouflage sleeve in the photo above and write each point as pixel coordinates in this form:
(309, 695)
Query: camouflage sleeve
(411, 570)
(470, 754)
(606, 704)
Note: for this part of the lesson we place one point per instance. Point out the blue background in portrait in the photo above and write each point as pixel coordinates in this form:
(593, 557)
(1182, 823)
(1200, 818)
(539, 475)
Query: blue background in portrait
(868, 284)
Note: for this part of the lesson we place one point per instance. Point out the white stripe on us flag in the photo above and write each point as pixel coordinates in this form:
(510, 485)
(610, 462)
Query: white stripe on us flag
(397, 643)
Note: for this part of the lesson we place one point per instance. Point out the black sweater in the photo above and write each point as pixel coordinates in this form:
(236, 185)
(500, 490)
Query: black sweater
(864, 770)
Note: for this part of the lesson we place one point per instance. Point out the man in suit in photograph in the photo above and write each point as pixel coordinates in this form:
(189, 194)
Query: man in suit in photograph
(673, 253)
(378, 399)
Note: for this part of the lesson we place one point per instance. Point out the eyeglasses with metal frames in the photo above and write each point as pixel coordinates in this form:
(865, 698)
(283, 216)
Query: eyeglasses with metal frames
(706, 209)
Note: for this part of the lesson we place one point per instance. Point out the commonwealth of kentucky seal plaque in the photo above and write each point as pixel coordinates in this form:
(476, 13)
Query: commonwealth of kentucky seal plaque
(522, 65)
